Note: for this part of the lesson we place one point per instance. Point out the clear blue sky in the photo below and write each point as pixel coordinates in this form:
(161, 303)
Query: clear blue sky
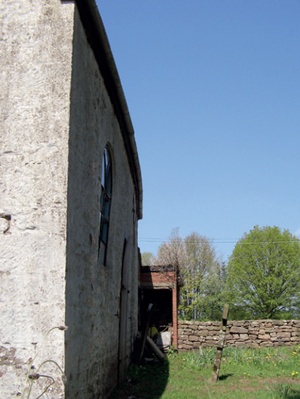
(213, 90)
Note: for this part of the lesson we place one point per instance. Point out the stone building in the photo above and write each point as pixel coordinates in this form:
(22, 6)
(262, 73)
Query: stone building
(71, 198)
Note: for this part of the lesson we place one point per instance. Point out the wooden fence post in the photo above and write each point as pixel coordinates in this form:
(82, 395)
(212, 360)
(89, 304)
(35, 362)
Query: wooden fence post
(220, 345)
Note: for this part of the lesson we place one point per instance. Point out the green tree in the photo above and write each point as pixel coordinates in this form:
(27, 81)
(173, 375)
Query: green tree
(200, 273)
(263, 275)
(172, 251)
(201, 294)
(148, 259)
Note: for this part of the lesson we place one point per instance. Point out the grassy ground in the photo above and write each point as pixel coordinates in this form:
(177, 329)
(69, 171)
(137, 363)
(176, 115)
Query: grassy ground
(245, 374)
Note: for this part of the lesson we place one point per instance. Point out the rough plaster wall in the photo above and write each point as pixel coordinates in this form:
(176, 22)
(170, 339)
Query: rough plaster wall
(35, 70)
(93, 290)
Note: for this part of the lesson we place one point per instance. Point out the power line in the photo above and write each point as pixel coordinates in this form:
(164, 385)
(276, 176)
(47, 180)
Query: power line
(213, 240)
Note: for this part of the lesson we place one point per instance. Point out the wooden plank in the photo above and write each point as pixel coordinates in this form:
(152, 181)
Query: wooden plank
(145, 332)
(155, 349)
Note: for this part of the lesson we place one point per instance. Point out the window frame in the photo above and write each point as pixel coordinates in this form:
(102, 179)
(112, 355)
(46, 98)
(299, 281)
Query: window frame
(106, 184)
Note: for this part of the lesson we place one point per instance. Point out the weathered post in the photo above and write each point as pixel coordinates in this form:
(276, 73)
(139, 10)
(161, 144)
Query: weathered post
(220, 345)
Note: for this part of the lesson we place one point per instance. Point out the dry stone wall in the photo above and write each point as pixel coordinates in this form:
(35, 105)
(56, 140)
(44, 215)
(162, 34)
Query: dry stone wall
(248, 333)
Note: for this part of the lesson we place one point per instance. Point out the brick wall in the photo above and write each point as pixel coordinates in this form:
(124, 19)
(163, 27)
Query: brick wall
(249, 333)
(158, 279)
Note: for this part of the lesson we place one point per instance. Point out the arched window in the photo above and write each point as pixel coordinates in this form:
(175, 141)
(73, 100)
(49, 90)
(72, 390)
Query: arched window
(105, 203)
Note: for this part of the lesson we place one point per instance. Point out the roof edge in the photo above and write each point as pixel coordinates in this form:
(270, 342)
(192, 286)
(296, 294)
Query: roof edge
(98, 40)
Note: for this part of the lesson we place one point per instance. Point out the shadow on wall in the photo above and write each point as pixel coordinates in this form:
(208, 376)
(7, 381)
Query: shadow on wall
(144, 381)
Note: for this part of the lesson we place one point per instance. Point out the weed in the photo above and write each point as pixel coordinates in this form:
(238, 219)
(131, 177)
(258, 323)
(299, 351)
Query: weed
(245, 373)
(284, 391)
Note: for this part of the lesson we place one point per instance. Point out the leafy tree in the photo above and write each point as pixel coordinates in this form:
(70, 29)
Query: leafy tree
(148, 259)
(172, 251)
(264, 274)
(201, 294)
(200, 272)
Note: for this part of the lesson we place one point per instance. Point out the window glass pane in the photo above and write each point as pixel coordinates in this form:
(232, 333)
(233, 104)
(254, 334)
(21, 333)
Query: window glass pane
(105, 203)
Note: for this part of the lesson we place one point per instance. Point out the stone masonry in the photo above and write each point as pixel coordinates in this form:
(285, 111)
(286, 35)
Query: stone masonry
(248, 333)
(65, 313)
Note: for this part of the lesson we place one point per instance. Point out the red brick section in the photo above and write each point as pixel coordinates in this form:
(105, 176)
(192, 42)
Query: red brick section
(158, 279)
(163, 277)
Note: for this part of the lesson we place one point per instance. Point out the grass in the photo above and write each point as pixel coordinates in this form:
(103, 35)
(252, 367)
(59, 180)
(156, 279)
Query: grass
(261, 373)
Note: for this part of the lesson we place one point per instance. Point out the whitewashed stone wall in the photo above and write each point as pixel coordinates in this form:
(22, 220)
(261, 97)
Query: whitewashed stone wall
(93, 290)
(36, 51)
(56, 118)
